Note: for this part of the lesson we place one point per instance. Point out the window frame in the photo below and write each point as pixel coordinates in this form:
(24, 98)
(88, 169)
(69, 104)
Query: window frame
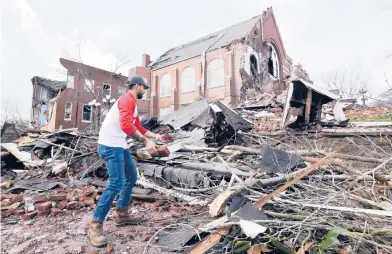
(208, 85)
(160, 86)
(110, 89)
(91, 113)
(65, 111)
(68, 82)
(192, 74)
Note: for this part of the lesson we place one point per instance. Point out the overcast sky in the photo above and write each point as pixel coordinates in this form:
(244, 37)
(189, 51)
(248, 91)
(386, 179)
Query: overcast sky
(322, 35)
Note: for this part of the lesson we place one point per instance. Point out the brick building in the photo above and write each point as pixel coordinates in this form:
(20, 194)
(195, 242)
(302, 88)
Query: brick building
(74, 103)
(222, 65)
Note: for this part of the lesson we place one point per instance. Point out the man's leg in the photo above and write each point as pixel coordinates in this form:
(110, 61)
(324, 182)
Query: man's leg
(122, 205)
(115, 164)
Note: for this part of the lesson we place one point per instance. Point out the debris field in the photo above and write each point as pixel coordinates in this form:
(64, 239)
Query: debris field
(271, 178)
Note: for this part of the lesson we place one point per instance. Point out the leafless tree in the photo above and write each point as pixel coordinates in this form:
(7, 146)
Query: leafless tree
(350, 84)
(10, 113)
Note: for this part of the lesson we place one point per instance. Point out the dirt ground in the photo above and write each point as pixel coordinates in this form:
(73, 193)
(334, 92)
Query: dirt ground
(67, 233)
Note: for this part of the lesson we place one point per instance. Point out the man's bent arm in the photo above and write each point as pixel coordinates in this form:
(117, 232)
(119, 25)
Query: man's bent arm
(138, 137)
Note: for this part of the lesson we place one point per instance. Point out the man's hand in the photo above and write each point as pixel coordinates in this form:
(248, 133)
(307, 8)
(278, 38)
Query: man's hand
(150, 146)
(165, 138)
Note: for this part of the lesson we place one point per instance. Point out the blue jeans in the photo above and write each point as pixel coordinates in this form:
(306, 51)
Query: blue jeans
(122, 178)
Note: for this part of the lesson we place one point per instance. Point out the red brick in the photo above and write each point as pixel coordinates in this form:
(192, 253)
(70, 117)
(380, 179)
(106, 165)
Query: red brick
(6, 196)
(93, 206)
(81, 204)
(89, 201)
(63, 185)
(109, 248)
(43, 213)
(163, 151)
(57, 197)
(71, 196)
(6, 202)
(62, 205)
(40, 199)
(6, 213)
(87, 192)
(72, 205)
(145, 237)
(29, 216)
(95, 193)
(19, 212)
(44, 206)
(17, 198)
(55, 211)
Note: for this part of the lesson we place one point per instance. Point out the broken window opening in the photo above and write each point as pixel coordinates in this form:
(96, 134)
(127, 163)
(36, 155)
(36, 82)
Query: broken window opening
(70, 82)
(165, 86)
(215, 73)
(273, 62)
(68, 110)
(86, 113)
(188, 80)
(89, 86)
(253, 66)
(107, 90)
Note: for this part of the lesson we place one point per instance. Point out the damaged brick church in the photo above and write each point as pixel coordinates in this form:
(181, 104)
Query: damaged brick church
(230, 65)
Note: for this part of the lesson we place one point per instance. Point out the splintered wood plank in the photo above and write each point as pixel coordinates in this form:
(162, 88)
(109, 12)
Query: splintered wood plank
(209, 242)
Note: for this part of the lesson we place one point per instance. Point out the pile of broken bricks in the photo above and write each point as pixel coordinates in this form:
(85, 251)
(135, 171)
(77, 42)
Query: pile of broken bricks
(54, 203)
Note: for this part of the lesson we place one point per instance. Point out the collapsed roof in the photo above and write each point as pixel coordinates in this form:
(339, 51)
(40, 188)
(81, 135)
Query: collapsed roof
(209, 42)
(53, 85)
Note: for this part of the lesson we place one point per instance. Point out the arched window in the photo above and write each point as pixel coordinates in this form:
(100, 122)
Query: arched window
(273, 62)
(253, 66)
(188, 80)
(215, 73)
(165, 86)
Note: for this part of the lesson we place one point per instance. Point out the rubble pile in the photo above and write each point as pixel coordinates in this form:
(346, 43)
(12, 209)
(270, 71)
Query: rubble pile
(232, 183)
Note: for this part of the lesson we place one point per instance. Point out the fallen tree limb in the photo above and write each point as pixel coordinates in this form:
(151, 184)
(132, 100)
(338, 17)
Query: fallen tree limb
(339, 208)
(262, 201)
(216, 168)
(351, 170)
(189, 199)
(373, 171)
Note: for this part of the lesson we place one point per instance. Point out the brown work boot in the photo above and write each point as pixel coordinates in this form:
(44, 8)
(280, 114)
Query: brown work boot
(123, 218)
(95, 232)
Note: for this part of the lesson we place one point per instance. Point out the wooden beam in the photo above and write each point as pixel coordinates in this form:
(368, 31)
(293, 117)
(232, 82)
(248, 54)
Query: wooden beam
(308, 106)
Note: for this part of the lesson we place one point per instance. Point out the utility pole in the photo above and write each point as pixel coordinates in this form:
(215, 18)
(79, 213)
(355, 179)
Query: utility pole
(363, 92)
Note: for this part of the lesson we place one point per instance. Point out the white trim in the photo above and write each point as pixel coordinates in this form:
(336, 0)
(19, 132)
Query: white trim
(229, 52)
(174, 69)
(228, 77)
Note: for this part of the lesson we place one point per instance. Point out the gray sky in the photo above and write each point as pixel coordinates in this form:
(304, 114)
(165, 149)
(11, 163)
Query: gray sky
(322, 35)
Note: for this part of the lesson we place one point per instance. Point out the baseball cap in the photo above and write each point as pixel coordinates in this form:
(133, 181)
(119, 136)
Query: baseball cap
(137, 80)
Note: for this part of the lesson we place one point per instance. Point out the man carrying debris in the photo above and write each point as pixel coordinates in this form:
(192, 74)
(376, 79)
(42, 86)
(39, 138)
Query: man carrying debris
(121, 121)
